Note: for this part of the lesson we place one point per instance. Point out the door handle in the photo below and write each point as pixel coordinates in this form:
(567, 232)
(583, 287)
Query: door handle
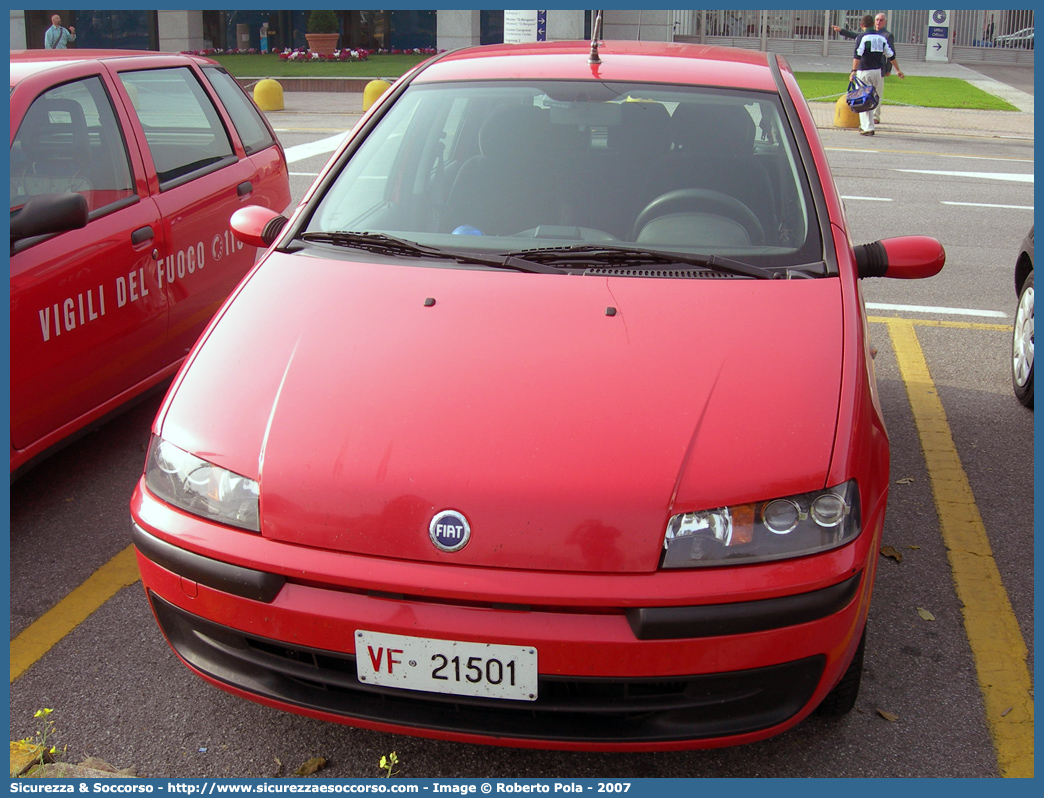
(141, 235)
(244, 188)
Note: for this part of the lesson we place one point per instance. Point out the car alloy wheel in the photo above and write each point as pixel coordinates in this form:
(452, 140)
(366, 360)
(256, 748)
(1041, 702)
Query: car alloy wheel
(1022, 346)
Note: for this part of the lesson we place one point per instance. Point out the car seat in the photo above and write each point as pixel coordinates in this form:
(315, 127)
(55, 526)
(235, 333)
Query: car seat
(56, 148)
(714, 150)
(511, 185)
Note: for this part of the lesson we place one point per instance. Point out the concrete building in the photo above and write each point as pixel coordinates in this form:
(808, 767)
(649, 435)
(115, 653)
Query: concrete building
(971, 36)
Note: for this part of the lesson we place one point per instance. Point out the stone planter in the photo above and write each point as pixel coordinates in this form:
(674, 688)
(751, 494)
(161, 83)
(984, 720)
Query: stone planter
(322, 43)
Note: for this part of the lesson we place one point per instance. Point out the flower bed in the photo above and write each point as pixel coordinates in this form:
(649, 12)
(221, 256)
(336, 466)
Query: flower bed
(218, 51)
(413, 51)
(338, 55)
(303, 54)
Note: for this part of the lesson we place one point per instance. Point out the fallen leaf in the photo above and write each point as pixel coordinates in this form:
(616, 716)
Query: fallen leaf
(904, 481)
(314, 764)
(888, 551)
(889, 716)
(915, 548)
(925, 614)
(279, 767)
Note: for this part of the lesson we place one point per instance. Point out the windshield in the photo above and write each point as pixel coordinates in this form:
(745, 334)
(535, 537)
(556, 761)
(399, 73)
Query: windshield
(504, 167)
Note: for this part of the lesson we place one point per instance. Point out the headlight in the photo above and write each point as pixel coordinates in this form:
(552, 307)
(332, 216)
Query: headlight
(201, 488)
(792, 526)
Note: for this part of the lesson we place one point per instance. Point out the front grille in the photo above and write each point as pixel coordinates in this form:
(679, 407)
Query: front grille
(569, 709)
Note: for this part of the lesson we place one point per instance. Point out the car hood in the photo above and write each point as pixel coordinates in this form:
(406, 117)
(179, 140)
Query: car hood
(566, 417)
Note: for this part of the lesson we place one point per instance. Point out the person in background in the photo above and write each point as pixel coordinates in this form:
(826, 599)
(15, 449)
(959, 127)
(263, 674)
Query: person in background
(872, 52)
(57, 37)
(880, 26)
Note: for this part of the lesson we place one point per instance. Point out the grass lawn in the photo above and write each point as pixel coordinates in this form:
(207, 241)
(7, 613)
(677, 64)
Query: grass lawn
(912, 90)
(923, 91)
(270, 66)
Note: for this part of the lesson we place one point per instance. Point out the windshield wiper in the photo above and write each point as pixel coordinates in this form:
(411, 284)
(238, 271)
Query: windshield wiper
(586, 255)
(383, 244)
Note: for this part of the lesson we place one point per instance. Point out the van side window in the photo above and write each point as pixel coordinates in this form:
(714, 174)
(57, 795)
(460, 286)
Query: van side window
(70, 141)
(182, 127)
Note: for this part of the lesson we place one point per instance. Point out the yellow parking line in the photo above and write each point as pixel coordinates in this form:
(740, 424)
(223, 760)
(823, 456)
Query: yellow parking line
(962, 325)
(37, 639)
(998, 647)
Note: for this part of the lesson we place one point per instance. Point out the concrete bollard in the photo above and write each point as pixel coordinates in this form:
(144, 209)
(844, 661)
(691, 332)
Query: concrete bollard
(373, 91)
(268, 95)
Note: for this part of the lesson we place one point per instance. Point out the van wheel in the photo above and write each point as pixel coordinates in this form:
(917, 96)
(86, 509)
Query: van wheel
(842, 698)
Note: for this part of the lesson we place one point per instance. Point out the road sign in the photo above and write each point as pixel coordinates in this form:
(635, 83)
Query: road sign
(525, 26)
(938, 38)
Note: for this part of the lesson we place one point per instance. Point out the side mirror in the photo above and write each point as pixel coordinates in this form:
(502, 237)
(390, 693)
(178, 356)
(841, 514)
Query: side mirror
(257, 226)
(904, 258)
(46, 214)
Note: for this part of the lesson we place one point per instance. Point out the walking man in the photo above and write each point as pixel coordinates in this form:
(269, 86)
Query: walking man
(880, 25)
(872, 52)
(57, 37)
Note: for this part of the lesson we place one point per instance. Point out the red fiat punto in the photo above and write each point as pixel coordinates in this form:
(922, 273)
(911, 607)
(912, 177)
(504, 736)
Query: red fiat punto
(125, 170)
(548, 420)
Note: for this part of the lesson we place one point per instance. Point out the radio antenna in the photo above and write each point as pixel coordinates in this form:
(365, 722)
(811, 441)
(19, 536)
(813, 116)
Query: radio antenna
(595, 36)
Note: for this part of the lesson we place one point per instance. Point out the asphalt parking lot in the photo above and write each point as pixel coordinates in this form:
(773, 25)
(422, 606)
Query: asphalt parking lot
(960, 443)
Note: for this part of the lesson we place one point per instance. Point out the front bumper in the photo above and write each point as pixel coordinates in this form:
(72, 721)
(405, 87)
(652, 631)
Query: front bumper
(569, 710)
(627, 675)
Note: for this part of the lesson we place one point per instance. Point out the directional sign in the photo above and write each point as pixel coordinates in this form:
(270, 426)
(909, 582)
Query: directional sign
(525, 26)
(938, 39)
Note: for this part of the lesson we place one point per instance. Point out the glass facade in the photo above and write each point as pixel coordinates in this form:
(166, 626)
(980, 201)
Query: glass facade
(122, 30)
(975, 32)
(234, 30)
(369, 30)
(491, 25)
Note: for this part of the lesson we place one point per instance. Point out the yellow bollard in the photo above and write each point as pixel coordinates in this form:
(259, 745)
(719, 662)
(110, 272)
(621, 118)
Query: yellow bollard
(373, 91)
(843, 115)
(268, 95)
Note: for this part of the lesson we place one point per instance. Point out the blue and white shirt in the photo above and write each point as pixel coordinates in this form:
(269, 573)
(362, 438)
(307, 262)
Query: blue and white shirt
(873, 50)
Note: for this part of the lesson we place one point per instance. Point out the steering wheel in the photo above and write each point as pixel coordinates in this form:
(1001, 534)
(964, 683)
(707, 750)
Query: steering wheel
(706, 200)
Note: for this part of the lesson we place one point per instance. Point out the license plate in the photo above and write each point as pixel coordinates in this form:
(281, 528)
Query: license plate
(487, 670)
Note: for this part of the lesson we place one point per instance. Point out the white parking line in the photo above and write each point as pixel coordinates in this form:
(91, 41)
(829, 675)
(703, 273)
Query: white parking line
(978, 175)
(992, 158)
(988, 205)
(301, 151)
(868, 199)
(989, 314)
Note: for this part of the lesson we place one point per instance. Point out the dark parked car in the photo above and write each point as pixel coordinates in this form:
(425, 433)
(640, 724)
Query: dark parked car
(1022, 338)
